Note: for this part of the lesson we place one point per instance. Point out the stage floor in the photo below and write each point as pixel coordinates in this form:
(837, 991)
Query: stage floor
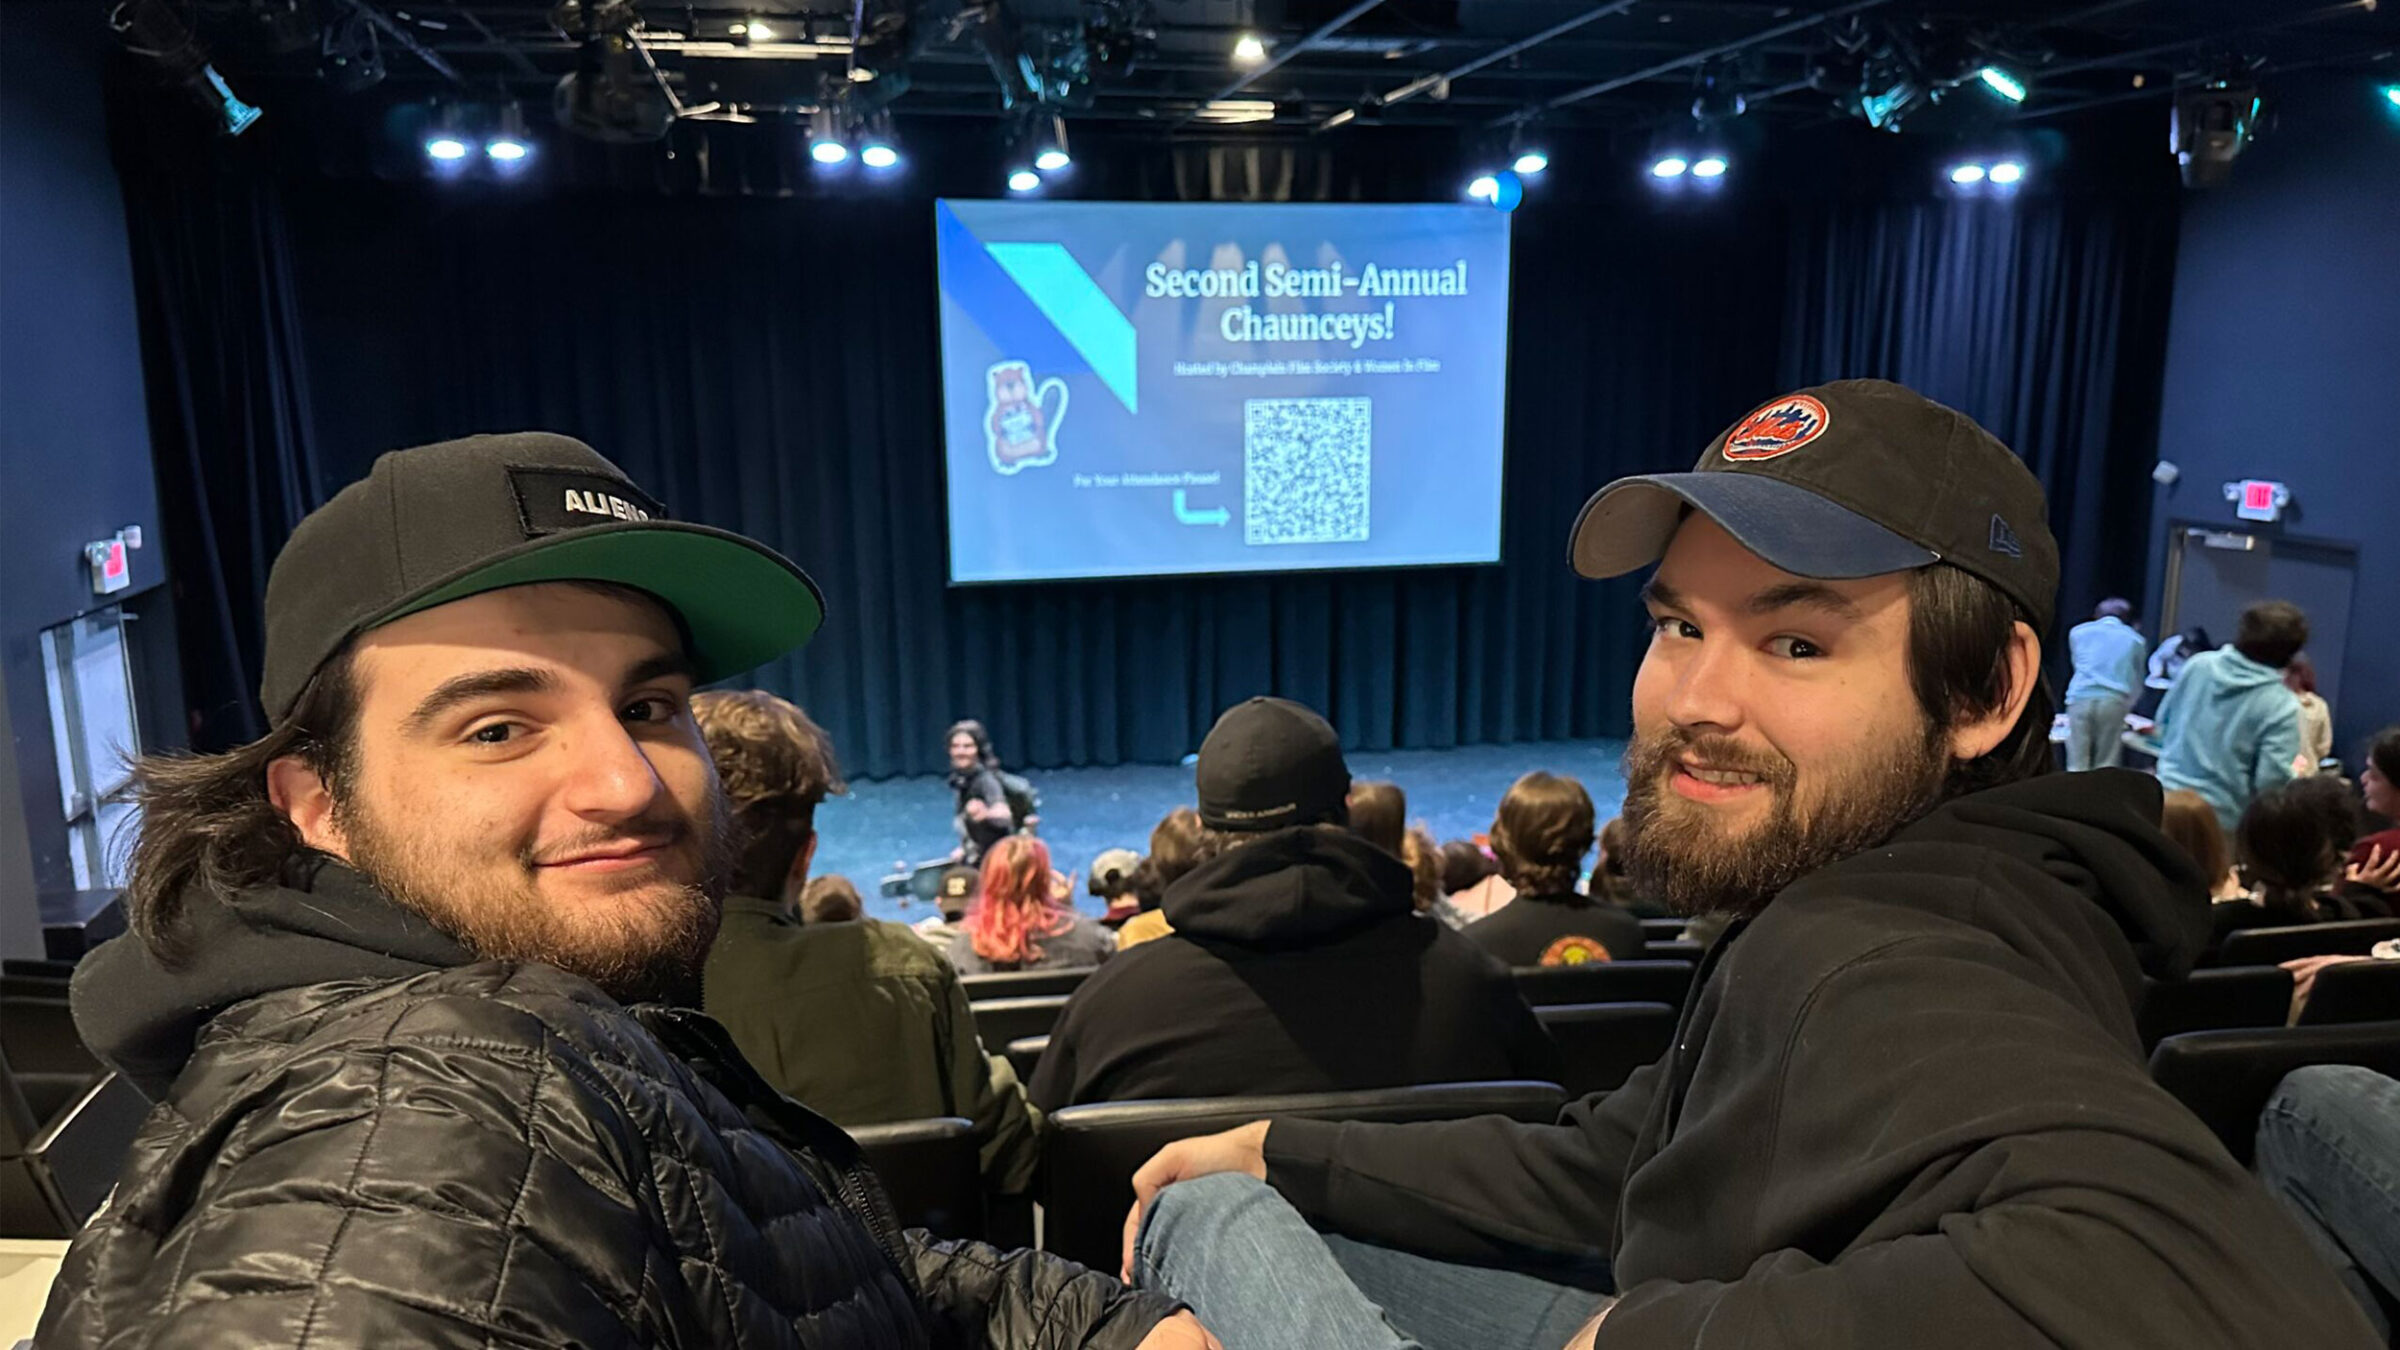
(1084, 811)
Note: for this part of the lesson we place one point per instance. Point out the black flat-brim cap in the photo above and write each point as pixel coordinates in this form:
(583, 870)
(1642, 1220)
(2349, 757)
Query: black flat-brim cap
(443, 522)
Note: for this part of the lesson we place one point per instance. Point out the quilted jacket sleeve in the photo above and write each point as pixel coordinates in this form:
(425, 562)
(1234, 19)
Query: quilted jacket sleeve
(348, 1198)
(1029, 1300)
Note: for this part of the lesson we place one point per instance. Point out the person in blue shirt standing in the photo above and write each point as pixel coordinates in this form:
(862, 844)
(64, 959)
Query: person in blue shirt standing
(2228, 728)
(2108, 653)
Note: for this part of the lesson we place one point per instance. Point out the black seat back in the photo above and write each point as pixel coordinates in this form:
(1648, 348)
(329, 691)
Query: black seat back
(1602, 1044)
(1025, 1055)
(1001, 1020)
(2274, 946)
(2354, 991)
(931, 1170)
(1664, 930)
(1606, 982)
(1093, 1151)
(2214, 1000)
(52, 1178)
(1022, 983)
(2225, 1077)
(1675, 949)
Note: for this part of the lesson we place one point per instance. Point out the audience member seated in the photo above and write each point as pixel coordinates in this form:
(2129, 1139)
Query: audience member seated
(2316, 717)
(2228, 729)
(860, 1020)
(1612, 874)
(1021, 919)
(953, 895)
(2292, 841)
(1174, 850)
(2329, 1150)
(1465, 867)
(2107, 654)
(1542, 832)
(1297, 963)
(1424, 859)
(830, 900)
(2190, 821)
(2379, 791)
(1112, 881)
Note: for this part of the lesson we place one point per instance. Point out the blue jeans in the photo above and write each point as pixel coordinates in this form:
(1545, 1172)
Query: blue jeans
(1261, 1279)
(2096, 731)
(2329, 1149)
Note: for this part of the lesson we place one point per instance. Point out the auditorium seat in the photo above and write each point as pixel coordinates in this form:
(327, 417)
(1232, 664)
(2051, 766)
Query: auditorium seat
(1674, 949)
(2354, 991)
(2225, 1077)
(1088, 1164)
(931, 1169)
(1603, 1043)
(2214, 1000)
(55, 1172)
(1022, 983)
(1001, 1020)
(1025, 1055)
(2274, 946)
(1664, 930)
(1606, 982)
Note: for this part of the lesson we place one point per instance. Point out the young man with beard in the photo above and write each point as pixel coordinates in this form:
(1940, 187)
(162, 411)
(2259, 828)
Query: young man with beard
(404, 973)
(1906, 1104)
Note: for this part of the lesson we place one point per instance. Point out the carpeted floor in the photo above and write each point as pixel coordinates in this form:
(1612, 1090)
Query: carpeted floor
(882, 826)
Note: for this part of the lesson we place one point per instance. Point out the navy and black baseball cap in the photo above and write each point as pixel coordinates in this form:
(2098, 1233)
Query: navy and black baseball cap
(1269, 764)
(1852, 479)
(443, 522)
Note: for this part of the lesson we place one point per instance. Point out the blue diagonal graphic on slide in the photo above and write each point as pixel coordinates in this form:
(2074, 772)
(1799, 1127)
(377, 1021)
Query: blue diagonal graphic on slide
(1075, 305)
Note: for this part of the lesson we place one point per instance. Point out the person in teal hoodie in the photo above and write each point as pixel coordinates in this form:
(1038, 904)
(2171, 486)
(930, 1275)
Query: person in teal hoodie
(2228, 728)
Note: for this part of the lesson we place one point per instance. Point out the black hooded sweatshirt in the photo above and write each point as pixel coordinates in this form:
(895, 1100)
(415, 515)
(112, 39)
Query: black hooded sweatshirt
(1298, 964)
(1906, 1107)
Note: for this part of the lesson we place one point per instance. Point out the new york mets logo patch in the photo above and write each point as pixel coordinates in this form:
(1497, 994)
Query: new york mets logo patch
(1777, 429)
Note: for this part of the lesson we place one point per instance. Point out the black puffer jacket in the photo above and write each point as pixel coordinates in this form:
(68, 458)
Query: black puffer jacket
(366, 1137)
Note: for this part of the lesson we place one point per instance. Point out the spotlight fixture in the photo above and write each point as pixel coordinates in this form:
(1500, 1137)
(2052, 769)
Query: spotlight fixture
(445, 147)
(825, 144)
(2212, 125)
(877, 149)
(509, 145)
(150, 29)
(1531, 162)
(1966, 174)
(1248, 50)
(2391, 94)
(1709, 166)
(757, 30)
(615, 93)
(1049, 143)
(2002, 83)
(1484, 188)
(2006, 172)
(1023, 180)
(877, 155)
(1669, 166)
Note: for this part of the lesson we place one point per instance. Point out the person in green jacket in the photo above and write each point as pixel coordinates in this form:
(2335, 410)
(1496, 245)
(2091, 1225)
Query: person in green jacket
(863, 1021)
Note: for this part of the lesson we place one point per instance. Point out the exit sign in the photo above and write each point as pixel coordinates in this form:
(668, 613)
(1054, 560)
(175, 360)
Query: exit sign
(2258, 498)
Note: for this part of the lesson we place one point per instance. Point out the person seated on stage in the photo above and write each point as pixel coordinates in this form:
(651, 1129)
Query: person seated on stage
(2107, 653)
(2316, 716)
(831, 900)
(2189, 820)
(1542, 832)
(982, 817)
(860, 1019)
(1174, 850)
(1297, 963)
(1021, 918)
(1908, 1105)
(953, 895)
(412, 978)
(2228, 729)
(2292, 841)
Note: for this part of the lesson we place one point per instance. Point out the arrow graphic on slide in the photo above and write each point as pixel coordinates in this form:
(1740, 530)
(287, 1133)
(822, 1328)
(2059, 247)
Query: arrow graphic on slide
(1215, 515)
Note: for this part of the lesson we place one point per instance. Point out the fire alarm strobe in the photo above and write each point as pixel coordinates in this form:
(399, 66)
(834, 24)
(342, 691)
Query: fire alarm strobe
(2258, 499)
(112, 568)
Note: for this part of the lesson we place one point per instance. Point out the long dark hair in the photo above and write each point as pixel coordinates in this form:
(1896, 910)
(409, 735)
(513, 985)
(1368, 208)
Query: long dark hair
(1959, 628)
(973, 730)
(2292, 839)
(208, 825)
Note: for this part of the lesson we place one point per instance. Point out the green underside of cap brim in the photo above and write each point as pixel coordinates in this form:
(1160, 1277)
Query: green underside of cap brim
(742, 605)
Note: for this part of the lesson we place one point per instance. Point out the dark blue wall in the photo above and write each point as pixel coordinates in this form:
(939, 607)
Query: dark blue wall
(74, 443)
(2283, 356)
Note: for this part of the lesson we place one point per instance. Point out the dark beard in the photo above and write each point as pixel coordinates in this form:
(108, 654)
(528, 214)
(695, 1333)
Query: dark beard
(1678, 856)
(631, 961)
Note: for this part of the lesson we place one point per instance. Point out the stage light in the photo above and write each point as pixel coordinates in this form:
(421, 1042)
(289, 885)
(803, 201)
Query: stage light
(2006, 172)
(1049, 144)
(828, 152)
(153, 31)
(1248, 50)
(877, 155)
(2391, 94)
(1024, 180)
(1708, 166)
(825, 144)
(1966, 174)
(2002, 83)
(509, 144)
(1669, 166)
(506, 151)
(445, 148)
(1532, 162)
(1485, 188)
(756, 31)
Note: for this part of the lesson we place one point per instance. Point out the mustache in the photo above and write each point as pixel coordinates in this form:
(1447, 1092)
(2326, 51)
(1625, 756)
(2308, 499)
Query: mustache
(1648, 756)
(660, 832)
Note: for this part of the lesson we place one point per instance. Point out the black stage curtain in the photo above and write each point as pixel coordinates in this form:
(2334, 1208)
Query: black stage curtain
(768, 363)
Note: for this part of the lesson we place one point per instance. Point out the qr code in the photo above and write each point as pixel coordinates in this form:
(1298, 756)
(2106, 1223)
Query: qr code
(1304, 470)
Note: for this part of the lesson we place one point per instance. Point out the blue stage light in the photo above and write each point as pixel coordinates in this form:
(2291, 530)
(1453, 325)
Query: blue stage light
(1967, 174)
(2002, 83)
(1024, 180)
(1708, 166)
(877, 155)
(2006, 172)
(1531, 163)
(446, 148)
(1669, 166)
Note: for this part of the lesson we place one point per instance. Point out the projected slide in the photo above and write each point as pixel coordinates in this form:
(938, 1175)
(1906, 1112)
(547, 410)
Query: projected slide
(1133, 390)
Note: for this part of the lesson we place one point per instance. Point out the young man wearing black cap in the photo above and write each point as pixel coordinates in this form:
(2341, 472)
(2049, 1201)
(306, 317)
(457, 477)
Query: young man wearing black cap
(397, 971)
(1906, 1104)
(1296, 963)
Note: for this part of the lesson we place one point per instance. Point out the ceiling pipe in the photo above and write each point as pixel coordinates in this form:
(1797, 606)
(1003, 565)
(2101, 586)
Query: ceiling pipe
(1331, 26)
(1686, 62)
(1425, 82)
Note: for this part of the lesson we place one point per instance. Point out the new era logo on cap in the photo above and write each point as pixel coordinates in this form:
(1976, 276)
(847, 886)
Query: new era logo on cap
(2004, 539)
